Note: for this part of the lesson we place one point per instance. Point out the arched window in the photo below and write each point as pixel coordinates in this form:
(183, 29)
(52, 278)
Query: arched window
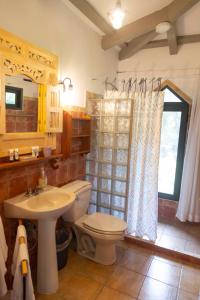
(173, 140)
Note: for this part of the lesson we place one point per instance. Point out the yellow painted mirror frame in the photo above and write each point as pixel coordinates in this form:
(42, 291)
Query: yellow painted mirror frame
(20, 57)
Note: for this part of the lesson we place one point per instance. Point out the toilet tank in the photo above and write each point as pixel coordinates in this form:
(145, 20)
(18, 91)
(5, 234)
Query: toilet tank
(79, 208)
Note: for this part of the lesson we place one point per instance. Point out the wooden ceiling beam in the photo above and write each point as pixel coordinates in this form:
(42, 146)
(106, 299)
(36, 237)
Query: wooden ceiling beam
(181, 40)
(172, 40)
(90, 12)
(178, 7)
(148, 23)
(136, 44)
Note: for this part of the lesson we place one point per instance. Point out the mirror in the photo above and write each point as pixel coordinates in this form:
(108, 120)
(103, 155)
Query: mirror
(21, 101)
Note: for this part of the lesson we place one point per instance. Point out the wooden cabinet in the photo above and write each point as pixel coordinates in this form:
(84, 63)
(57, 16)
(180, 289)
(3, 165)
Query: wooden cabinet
(50, 116)
(76, 134)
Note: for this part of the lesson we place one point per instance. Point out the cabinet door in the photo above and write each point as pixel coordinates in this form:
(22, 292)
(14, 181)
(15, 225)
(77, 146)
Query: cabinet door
(2, 105)
(54, 112)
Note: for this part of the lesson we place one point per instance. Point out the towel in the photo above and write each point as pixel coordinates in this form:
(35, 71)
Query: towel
(21, 231)
(3, 287)
(20, 254)
(3, 258)
(3, 245)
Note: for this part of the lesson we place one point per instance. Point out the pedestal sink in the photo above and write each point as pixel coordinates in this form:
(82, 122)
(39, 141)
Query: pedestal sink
(45, 207)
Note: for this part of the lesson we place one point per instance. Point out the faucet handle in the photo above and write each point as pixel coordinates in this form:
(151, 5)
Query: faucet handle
(29, 192)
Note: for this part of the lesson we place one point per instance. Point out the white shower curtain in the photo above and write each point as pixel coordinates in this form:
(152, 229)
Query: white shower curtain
(189, 201)
(144, 161)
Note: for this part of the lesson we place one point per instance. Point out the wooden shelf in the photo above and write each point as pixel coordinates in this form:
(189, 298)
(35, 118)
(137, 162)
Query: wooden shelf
(76, 134)
(80, 136)
(16, 164)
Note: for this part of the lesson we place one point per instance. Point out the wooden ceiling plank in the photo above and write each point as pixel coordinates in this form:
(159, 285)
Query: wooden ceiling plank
(148, 23)
(136, 44)
(90, 12)
(172, 40)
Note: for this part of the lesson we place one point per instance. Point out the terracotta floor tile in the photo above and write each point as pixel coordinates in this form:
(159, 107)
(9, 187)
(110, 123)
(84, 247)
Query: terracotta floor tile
(136, 262)
(173, 262)
(156, 290)
(126, 281)
(78, 287)
(190, 280)
(96, 271)
(170, 242)
(165, 272)
(48, 297)
(193, 246)
(182, 295)
(109, 294)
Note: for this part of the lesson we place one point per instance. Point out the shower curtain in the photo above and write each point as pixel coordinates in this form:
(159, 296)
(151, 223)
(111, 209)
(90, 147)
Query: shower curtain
(189, 201)
(144, 160)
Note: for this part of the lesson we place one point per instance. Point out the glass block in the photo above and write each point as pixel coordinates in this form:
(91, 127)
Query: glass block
(92, 209)
(118, 214)
(94, 197)
(123, 107)
(107, 124)
(94, 107)
(119, 187)
(92, 180)
(120, 172)
(106, 170)
(105, 184)
(106, 154)
(123, 124)
(108, 107)
(104, 210)
(122, 140)
(105, 199)
(122, 156)
(119, 202)
(91, 167)
(93, 154)
(107, 139)
(95, 123)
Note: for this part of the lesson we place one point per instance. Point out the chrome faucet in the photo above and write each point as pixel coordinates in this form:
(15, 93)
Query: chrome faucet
(32, 191)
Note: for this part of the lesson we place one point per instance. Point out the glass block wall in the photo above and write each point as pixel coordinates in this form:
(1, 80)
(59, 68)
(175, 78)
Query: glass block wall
(107, 164)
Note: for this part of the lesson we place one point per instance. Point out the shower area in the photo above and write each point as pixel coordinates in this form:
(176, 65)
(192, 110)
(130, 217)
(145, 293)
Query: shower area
(108, 168)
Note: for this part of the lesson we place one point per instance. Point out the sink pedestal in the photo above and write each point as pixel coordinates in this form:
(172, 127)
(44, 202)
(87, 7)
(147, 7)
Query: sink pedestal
(47, 271)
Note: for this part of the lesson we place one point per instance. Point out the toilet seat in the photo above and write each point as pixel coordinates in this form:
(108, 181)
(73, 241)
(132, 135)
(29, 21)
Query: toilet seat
(104, 224)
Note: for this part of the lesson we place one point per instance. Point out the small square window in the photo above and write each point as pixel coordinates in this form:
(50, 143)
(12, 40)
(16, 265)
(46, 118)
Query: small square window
(13, 97)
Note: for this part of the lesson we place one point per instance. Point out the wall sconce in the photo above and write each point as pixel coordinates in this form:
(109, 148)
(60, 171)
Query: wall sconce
(67, 94)
(70, 86)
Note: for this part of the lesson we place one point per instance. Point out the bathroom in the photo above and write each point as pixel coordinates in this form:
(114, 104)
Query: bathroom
(61, 150)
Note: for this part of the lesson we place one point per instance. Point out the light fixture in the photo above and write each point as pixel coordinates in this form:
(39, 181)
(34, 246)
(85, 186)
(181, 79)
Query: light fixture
(67, 95)
(70, 86)
(117, 16)
(163, 27)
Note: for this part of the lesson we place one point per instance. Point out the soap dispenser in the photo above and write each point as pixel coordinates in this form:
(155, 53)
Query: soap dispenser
(42, 182)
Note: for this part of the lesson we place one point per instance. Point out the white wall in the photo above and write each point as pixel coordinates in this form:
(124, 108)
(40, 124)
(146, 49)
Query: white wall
(183, 69)
(51, 25)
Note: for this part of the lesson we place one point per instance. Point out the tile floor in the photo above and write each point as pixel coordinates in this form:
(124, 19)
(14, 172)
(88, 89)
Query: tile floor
(182, 237)
(137, 274)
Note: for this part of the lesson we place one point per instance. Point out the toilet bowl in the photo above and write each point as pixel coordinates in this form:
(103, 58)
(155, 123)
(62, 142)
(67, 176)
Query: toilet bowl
(98, 233)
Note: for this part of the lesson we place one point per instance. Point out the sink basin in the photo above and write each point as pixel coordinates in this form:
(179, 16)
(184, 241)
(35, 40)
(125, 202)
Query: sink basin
(45, 207)
(49, 204)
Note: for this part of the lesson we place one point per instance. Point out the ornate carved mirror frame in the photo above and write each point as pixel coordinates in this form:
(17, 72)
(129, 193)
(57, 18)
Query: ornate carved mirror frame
(20, 57)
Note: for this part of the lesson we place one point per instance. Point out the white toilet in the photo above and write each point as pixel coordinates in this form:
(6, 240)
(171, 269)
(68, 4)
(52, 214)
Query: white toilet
(98, 233)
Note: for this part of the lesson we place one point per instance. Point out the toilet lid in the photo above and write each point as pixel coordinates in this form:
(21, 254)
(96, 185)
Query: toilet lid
(103, 223)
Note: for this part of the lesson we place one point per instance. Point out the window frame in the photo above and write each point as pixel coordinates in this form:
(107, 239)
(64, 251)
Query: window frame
(184, 108)
(19, 97)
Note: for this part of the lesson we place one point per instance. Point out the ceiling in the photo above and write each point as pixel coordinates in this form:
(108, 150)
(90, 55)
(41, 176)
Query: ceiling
(189, 23)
